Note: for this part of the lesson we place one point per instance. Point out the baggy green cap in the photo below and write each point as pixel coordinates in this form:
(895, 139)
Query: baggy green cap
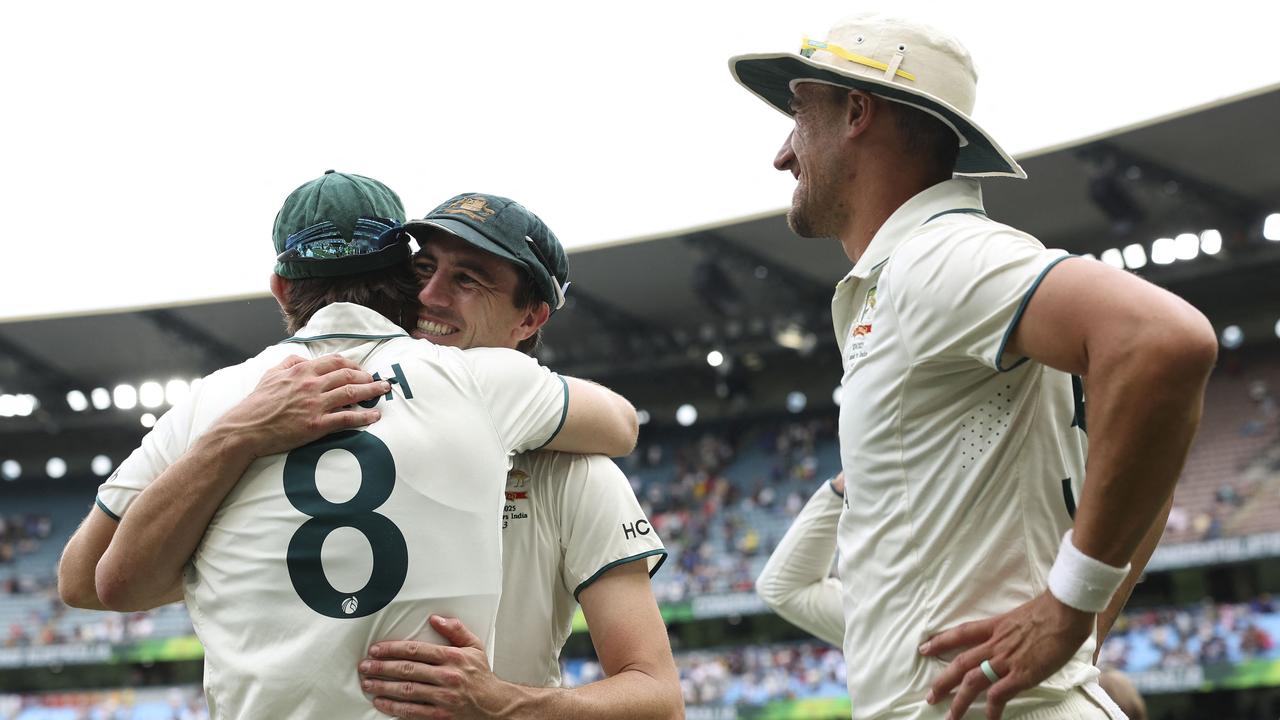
(339, 224)
(503, 227)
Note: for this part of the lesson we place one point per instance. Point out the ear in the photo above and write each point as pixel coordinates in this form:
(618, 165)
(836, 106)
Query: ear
(279, 289)
(860, 110)
(533, 319)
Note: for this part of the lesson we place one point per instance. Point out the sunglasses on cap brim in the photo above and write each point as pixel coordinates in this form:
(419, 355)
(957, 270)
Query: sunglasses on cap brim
(560, 290)
(323, 241)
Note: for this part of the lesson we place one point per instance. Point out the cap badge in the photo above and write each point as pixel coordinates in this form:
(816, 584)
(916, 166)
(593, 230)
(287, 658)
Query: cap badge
(475, 208)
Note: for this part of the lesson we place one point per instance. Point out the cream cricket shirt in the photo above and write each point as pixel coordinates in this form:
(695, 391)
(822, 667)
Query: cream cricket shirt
(568, 520)
(358, 537)
(962, 463)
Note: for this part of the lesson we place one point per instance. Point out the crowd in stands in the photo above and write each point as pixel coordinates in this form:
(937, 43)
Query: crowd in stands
(49, 626)
(1204, 634)
(721, 516)
(21, 535)
(753, 675)
(1229, 485)
(720, 499)
(746, 675)
(1142, 640)
(176, 703)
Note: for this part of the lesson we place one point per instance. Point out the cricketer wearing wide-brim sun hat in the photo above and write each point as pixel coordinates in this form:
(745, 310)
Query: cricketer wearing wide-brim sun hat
(908, 63)
(974, 559)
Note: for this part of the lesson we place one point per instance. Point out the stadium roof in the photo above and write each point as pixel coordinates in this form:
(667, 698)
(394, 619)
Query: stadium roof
(142, 152)
(750, 286)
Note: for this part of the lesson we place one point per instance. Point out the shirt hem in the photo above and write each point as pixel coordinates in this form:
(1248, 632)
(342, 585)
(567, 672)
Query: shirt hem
(564, 415)
(103, 507)
(1017, 316)
(623, 561)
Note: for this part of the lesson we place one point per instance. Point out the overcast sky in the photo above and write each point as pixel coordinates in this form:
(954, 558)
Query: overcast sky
(147, 147)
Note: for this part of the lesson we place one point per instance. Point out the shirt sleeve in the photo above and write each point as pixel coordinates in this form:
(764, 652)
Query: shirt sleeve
(601, 523)
(796, 580)
(160, 448)
(527, 402)
(961, 293)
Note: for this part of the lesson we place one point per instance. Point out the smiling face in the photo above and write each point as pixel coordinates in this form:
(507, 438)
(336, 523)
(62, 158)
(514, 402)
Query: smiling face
(812, 154)
(468, 296)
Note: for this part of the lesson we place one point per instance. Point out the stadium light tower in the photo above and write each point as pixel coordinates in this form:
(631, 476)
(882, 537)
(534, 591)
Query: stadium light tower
(1271, 227)
(77, 401)
(1232, 337)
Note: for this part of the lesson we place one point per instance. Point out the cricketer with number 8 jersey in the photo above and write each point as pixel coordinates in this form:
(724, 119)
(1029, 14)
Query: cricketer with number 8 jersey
(359, 536)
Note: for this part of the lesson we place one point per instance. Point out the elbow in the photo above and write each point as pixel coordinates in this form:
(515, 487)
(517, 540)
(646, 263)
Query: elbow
(677, 703)
(770, 590)
(1201, 352)
(74, 588)
(629, 430)
(78, 594)
(1172, 350)
(74, 596)
(1186, 348)
(113, 589)
(670, 697)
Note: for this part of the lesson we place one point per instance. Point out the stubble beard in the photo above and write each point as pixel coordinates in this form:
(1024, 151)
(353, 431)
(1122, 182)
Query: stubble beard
(809, 216)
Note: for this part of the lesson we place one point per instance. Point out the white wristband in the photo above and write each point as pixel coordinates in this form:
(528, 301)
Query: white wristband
(1082, 582)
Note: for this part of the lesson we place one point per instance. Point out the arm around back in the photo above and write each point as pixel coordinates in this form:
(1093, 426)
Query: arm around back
(597, 420)
(533, 408)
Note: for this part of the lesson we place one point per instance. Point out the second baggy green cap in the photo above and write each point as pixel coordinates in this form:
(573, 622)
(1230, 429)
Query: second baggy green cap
(339, 224)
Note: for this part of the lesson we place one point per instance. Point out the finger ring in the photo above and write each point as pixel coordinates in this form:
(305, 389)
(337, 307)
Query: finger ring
(989, 671)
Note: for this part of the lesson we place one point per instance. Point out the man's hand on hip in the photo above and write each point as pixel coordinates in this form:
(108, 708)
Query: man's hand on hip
(418, 680)
(1022, 647)
(299, 401)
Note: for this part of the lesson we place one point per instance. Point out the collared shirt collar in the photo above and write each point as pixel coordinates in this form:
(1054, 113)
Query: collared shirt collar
(347, 320)
(954, 194)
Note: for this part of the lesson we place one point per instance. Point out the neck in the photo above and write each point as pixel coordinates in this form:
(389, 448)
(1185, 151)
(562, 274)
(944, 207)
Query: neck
(885, 192)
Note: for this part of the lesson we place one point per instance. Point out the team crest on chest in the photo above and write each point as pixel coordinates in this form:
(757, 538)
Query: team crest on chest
(856, 348)
(517, 482)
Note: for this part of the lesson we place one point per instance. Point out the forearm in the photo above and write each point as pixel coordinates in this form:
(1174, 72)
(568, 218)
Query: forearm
(1107, 618)
(76, 573)
(143, 564)
(628, 695)
(795, 582)
(1144, 409)
(599, 421)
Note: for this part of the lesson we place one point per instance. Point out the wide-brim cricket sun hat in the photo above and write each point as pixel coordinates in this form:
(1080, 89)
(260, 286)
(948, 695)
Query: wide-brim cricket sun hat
(899, 60)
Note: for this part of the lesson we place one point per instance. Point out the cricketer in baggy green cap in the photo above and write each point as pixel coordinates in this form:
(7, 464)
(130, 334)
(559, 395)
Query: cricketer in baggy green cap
(339, 224)
(503, 227)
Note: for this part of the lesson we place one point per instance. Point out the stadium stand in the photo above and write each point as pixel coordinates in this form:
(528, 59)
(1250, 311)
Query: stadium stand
(753, 676)
(1229, 485)
(722, 493)
(174, 703)
(721, 498)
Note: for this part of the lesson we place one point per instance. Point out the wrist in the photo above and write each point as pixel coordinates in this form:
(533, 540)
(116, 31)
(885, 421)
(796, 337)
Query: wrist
(1081, 582)
(230, 439)
(521, 701)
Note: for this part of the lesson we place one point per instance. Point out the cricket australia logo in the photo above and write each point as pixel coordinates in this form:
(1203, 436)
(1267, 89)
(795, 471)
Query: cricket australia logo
(473, 207)
(860, 332)
(517, 479)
